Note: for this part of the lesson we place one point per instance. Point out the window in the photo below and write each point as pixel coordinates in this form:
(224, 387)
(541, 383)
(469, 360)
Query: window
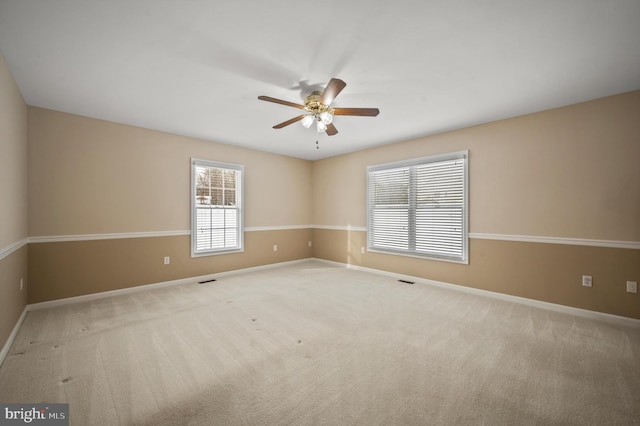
(419, 207)
(216, 208)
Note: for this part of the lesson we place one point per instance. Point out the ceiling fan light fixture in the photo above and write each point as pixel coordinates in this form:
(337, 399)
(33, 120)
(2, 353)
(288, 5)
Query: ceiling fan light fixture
(326, 117)
(307, 121)
(321, 126)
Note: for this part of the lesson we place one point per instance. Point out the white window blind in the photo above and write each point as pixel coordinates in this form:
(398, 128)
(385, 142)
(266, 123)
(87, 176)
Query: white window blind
(419, 207)
(216, 204)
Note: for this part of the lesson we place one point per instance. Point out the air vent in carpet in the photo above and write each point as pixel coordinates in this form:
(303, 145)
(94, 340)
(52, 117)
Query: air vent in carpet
(406, 282)
(207, 281)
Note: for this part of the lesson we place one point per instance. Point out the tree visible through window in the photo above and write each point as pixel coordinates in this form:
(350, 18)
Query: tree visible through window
(419, 207)
(216, 207)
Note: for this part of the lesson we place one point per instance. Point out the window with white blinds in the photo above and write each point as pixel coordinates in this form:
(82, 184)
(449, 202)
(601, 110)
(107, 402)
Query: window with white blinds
(419, 207)
(216, 207)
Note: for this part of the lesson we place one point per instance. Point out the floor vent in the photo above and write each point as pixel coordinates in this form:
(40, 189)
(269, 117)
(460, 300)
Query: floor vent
(207, 281)
(406, 282)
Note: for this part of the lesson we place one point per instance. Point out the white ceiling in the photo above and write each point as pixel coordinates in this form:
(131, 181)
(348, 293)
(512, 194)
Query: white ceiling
(196, 68)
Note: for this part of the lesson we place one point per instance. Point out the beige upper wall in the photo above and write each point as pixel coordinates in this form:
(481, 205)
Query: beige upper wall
(568, 172)
(89, 176)
(13, 160)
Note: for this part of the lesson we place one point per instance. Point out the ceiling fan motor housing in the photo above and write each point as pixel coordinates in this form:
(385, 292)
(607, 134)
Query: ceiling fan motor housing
(313, 104)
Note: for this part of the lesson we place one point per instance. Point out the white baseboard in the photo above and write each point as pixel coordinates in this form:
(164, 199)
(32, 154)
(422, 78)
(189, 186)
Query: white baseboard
(12, 337)
(101, 295)
(584, 313)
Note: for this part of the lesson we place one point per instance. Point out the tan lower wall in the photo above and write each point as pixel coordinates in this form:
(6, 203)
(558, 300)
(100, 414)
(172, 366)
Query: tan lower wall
(546, 272)
(12, 300)
(65, 269)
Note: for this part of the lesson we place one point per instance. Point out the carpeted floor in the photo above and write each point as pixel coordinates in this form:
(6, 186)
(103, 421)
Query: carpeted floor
(313, 344)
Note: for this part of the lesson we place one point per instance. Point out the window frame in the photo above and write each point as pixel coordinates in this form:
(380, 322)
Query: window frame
(239, 248)
(411, 229)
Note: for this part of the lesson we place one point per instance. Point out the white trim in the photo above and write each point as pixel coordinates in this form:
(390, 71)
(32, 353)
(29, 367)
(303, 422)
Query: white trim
(124, 235)
(259, 268)
(584, 313)
(6, 251)
(520, 238)
(557, 240)
(119, 292)
(341, 228)
(276, 228)
(114, 236)
(12, 337)
(111, 293)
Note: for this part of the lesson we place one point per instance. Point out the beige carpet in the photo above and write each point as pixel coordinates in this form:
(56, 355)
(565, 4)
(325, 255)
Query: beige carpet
(313, 344)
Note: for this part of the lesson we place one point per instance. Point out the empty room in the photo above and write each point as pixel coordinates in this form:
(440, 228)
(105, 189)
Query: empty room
(342, 213)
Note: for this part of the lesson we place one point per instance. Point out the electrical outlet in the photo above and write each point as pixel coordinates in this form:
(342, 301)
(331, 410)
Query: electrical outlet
(310, 243)
(587, 280)
(22, 283)
(632, 286)
(275, 247)
(167, 260)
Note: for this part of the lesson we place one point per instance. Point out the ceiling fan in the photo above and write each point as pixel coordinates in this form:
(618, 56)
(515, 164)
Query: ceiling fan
(317, 107)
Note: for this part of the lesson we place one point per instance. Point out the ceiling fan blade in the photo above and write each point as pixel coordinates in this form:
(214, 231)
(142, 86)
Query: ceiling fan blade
(286, 123)
(366, 112)
(332, 90)
(331, 129)
(280, 101)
